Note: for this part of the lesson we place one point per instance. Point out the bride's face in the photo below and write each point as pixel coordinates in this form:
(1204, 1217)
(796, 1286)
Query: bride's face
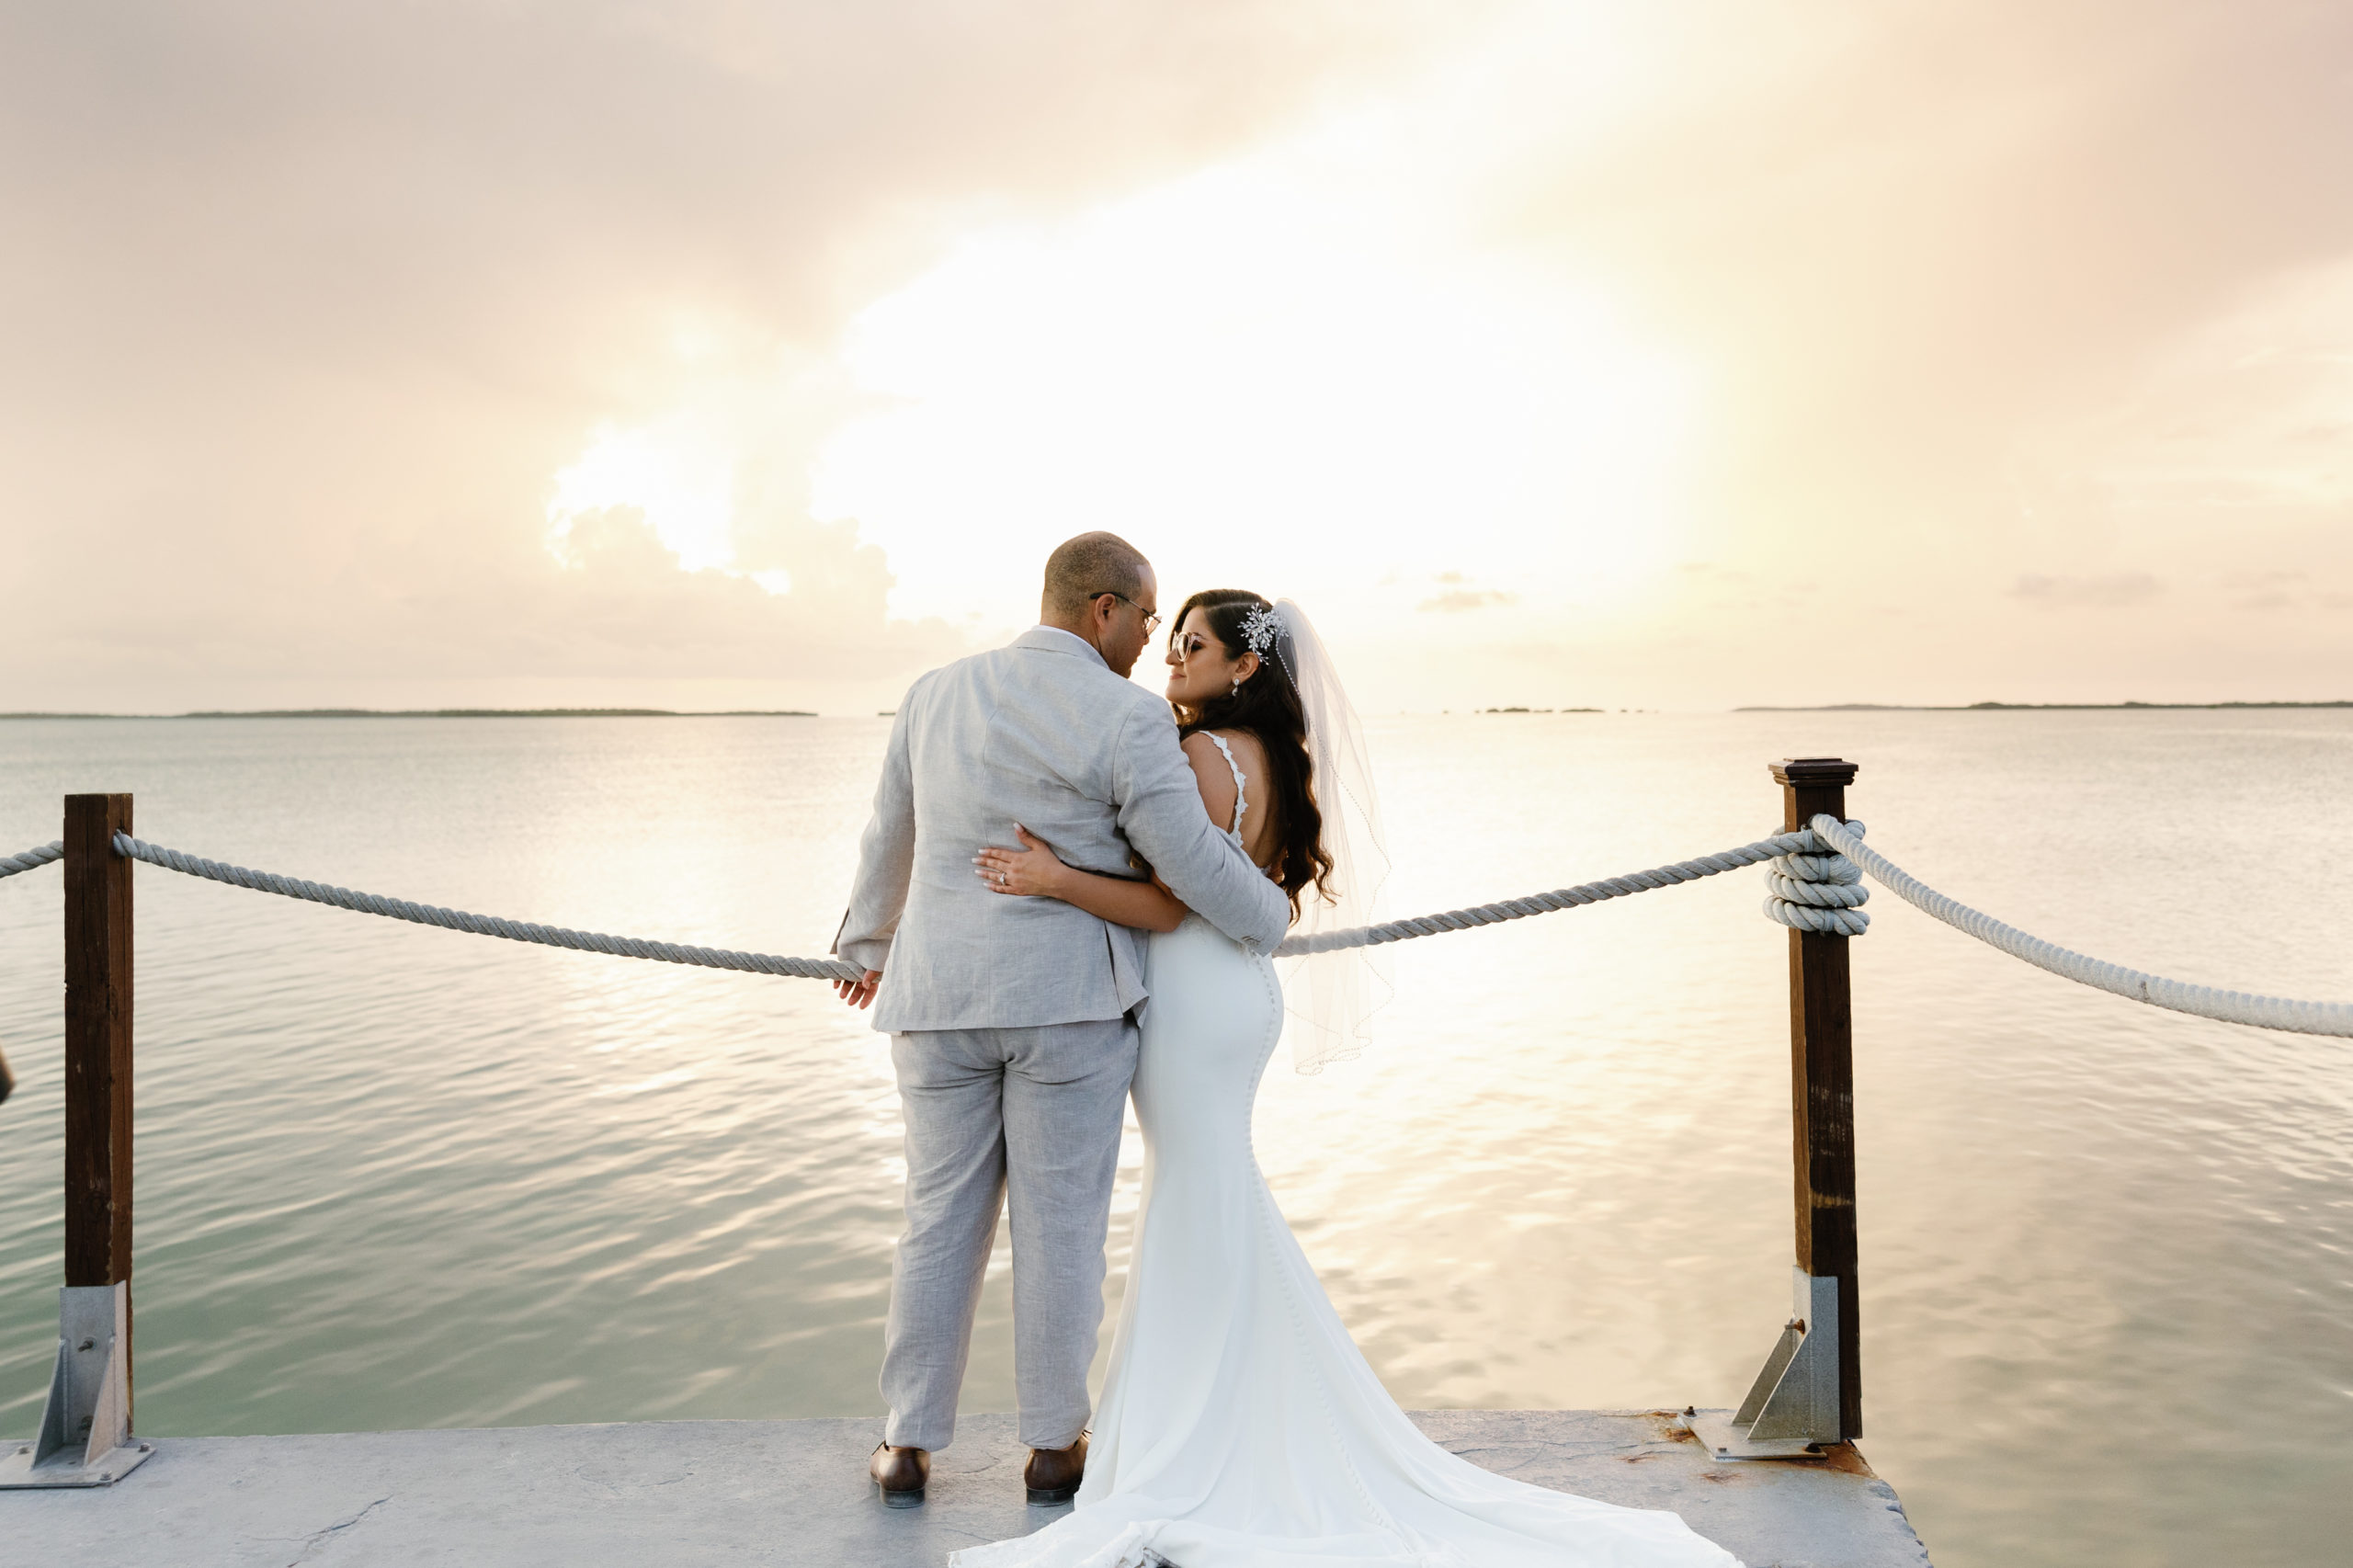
(1199, 665)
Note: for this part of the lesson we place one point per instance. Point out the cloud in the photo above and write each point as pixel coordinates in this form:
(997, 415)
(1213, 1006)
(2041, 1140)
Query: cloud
(2272, 591)
(1456, 600)
(2252, 408)
(308, 308)
(2111, 592)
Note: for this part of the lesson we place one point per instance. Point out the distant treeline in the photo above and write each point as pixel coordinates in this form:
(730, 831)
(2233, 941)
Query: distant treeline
(2020, 706)
(445, 713)
(806, 713)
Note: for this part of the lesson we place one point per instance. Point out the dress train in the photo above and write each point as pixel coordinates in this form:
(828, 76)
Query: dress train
(1240, 1425)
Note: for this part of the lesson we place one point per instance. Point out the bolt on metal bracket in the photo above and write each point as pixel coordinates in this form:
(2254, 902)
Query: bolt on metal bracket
(1792, 1411)
(85, 1422)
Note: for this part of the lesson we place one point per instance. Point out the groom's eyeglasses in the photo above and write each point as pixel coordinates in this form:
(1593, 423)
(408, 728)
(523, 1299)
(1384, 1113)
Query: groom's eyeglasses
(1150, 622)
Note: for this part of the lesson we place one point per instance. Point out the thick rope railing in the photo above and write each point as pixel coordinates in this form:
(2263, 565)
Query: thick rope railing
(2202, 1001)
(1799, 844)
(1813, 881)
(1780, 846)
(481, 925)
(39, 855)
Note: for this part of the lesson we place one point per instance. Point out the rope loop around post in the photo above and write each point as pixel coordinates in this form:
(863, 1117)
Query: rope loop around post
(1818, 889)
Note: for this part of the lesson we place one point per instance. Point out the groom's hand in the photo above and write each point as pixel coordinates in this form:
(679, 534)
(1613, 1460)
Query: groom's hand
(859, 993)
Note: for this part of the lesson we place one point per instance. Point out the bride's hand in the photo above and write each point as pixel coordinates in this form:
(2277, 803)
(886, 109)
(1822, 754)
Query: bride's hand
(1031, 872)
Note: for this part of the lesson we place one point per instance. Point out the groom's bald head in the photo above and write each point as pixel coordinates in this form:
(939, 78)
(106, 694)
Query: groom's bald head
(1099, 587)
(1080, 569)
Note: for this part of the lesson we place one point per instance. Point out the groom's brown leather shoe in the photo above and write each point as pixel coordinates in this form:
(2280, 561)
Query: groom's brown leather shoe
(1052, 1474)
(901, 1473)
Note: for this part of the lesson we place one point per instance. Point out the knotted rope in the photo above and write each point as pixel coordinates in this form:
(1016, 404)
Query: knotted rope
(39, 855)
(1818, 892)
(2203, 1001)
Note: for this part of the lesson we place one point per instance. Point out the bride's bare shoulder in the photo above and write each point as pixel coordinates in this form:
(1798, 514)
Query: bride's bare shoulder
(1201, 746)
(1247, 751)
(1210, 772)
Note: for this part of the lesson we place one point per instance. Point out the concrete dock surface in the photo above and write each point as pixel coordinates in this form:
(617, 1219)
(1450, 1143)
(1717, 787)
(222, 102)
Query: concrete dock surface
(794, 1492)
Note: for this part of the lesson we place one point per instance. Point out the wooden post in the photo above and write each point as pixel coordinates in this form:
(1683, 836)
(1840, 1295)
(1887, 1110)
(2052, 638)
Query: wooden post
(1822, 1086)
(97, 1048)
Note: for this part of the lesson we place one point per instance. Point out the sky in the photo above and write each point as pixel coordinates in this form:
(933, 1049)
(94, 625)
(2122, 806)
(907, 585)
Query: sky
(1675, 354)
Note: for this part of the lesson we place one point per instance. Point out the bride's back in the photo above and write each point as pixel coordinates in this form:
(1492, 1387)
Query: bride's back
(1235, 775)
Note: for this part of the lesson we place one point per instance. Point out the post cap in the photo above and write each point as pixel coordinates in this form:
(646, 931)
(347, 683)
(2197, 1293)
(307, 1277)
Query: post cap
(1815, 771)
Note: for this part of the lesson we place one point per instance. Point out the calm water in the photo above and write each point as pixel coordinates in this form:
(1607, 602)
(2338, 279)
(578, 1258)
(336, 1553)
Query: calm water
(392, 1177)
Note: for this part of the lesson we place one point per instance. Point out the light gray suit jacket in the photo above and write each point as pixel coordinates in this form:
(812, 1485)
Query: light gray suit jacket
(1042, 733)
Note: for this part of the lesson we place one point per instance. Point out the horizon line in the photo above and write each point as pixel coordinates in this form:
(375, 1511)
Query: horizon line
(2025, 707)
(445, 713)
(811, 713)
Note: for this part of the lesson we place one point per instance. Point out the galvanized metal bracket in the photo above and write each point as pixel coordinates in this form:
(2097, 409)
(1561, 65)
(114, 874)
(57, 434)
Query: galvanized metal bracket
(1792, 1411)
(86, 1424)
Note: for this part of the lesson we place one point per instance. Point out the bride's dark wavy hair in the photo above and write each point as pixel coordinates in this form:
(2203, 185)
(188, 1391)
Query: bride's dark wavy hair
(1267, 706)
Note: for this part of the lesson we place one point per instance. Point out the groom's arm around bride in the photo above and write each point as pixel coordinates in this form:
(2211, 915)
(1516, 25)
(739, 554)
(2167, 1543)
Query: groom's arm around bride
(1050, 734)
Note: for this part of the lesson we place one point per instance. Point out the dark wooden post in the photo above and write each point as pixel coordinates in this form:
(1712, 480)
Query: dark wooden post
(1822, 1086)
(97, 1046)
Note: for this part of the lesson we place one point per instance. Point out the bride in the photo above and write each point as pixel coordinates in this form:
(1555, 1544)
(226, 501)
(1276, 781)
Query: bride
(1240, 1426)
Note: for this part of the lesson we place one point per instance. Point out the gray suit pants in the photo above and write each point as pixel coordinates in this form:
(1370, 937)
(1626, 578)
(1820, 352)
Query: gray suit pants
(1027, 1120)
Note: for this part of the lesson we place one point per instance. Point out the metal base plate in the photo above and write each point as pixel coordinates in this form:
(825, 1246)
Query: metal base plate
(17, 1474)
(1726, 1441)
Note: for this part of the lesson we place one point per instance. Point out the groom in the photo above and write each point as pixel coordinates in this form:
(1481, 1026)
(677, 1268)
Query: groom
(1013, 1021)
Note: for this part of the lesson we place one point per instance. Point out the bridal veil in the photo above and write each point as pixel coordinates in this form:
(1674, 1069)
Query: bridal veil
(1332, 996)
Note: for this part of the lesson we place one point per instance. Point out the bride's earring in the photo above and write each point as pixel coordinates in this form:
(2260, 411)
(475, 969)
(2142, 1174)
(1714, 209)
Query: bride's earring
(1237, 688)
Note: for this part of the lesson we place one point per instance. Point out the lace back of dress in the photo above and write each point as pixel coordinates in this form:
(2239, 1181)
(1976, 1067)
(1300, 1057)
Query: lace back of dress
(1241, 785)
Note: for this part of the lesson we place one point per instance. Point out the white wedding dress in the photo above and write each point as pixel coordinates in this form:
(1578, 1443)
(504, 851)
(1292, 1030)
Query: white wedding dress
(1240, 1426)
